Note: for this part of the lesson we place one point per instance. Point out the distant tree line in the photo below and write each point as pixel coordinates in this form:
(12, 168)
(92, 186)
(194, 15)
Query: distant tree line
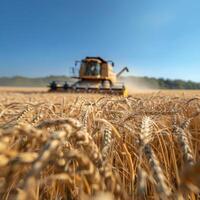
(154, 83)
(177, 84)
(173, 84)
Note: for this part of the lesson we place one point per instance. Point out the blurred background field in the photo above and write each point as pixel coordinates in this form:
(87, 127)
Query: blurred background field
(131, 92)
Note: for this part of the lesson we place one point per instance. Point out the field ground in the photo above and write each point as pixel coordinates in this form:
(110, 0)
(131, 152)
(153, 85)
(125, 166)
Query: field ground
(136, 92)
(23, 89)
(79, 146)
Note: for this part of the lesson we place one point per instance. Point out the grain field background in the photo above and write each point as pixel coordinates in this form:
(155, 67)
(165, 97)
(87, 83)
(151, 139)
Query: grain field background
(73, 146)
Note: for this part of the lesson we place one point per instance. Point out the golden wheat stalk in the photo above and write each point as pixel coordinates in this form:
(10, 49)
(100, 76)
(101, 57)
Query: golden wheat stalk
(41, 162)
(86, 168)
(184, 143)
(106, 143)
(146, 134)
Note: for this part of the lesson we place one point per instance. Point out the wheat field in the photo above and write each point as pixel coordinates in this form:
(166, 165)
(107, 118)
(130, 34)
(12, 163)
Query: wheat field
(73, 146)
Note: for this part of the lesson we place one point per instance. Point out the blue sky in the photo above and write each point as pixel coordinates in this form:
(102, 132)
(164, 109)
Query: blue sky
(152, 37)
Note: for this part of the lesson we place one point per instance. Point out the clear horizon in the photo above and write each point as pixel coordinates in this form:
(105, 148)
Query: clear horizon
(153, 38)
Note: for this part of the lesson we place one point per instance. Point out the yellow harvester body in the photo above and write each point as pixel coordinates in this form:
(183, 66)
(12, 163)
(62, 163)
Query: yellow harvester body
(95, 76)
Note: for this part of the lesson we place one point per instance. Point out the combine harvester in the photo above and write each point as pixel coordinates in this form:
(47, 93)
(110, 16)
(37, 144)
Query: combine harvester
(95, 76)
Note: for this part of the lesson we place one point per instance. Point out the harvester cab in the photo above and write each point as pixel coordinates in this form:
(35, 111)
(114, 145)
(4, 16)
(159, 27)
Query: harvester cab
(97, 69)
(95, 76)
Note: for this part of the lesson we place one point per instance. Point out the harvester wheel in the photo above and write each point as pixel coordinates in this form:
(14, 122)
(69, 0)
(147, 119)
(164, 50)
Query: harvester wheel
(53, 86)
(106, 84)
(65, 86)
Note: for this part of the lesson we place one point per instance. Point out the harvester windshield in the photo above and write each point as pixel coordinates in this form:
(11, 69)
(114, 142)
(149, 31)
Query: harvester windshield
(92, 68)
